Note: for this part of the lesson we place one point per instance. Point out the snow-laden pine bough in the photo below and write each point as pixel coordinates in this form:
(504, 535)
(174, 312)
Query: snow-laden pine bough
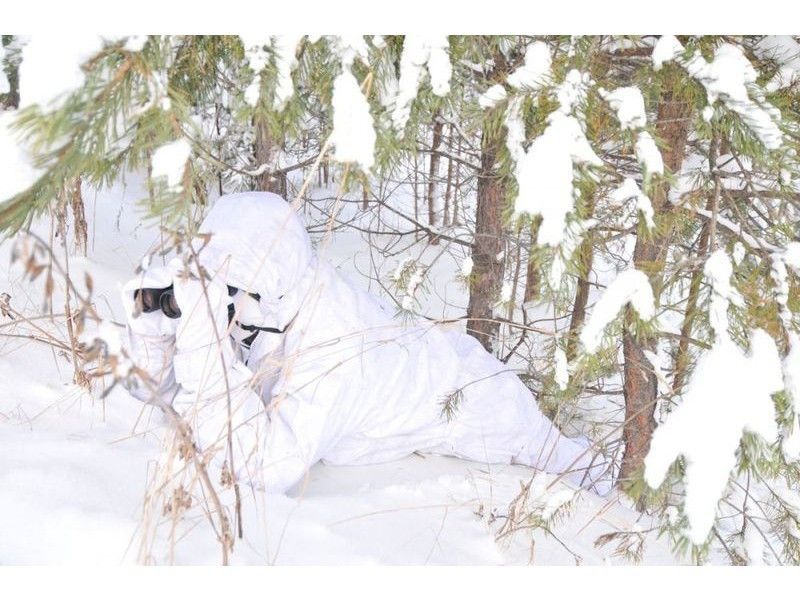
(276, 362)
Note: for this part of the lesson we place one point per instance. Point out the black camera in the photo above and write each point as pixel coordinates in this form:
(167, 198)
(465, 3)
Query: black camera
(153, 299)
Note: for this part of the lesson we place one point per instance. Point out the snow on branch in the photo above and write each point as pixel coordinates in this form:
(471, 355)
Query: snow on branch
(731, 79)
(169, 161)
(353, 134)
(50, 67)
(630, 287)
(419, 52)
(729, 388)
(545, 171)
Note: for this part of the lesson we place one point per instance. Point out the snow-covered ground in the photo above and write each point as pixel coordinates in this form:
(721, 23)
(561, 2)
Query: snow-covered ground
(74, 468)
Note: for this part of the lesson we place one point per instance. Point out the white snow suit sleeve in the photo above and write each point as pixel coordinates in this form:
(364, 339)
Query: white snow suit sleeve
(215, 394)
(151, 339)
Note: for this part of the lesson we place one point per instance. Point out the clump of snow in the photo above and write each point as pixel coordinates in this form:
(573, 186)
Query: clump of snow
(285, 49)
(350, 47)
(648, 154)
(791, 255)
(560, 372)
(729, 388)
(170, 160)
(15, 163)
(785, 51)
(572, 90)
(51, 67)
(257, 60)
(667, 48)
(353, 134)
(535, 70)
(416, 279)
(506, 292)
(466, 267)
(628, 103)
(739, 252)
(493, 96)
(573, 235)
(419, 52)
(729, 78)
(630, 287)
(629, 190)
(135, 43)
(545, 173)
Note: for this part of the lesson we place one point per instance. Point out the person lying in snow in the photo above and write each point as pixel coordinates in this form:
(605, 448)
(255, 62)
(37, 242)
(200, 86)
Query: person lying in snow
(310, 368)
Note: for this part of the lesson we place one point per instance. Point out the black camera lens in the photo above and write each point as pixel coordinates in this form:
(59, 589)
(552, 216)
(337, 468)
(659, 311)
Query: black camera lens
(147, 299)
(169, 305)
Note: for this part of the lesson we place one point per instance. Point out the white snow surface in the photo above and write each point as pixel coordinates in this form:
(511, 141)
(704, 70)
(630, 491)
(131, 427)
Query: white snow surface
(76, 468)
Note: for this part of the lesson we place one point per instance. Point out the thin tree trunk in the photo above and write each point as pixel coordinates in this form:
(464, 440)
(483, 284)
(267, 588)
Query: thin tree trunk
(487, 260)
(416, 192)
(533, 274)
(11, 98)
(682, 356)
(581, 296)
(448, 189)
(433, 176)
(266, 152)
(456, 216)
(80, 225)
(649, 255)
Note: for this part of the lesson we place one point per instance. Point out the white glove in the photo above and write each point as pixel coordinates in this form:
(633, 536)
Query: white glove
(151, 335)
(203, 348)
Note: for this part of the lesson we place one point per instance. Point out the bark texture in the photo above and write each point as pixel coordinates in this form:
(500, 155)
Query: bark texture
(487, 270)
(640, 385)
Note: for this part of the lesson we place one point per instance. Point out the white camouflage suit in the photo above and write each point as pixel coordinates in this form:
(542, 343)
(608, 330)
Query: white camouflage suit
(345, 382)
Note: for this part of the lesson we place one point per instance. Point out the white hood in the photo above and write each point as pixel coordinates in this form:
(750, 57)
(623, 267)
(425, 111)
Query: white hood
(257, 243)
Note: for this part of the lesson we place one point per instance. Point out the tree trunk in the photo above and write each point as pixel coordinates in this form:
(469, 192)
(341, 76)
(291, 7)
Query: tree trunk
(533, 274)
(649, 255)
(456, 217)
(11, 98)
(266, 149)
(433, 175)
(581, 296)
(448, 189)
(487, 269)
